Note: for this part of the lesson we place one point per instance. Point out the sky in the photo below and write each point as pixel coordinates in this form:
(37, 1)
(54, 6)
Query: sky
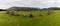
(4, 4)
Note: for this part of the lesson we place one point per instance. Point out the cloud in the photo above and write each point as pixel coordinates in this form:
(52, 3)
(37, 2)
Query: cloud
(29, 3)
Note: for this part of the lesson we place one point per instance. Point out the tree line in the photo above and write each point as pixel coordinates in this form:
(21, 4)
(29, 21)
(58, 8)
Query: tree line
(51, 8)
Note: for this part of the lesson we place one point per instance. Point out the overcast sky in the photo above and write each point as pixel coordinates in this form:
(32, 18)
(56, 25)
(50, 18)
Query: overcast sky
(29, 3)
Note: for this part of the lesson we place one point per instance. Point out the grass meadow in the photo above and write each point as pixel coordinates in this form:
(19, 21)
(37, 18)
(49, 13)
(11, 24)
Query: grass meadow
(45, 20)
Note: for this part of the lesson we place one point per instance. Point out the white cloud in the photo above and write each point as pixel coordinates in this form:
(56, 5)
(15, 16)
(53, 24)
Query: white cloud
(29, 3)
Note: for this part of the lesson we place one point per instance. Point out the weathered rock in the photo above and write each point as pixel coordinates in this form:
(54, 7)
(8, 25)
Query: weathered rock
(12, 12)
(8, 12)
(31, 16)
(17, 15)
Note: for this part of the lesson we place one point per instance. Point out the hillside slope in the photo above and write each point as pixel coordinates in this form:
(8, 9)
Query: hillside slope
(23, 8)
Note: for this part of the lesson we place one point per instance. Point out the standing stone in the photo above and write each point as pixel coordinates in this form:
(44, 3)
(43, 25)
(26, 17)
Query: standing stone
(40, 15)
(31, 16)
(8, 12)
(12, 12)
(48, 12)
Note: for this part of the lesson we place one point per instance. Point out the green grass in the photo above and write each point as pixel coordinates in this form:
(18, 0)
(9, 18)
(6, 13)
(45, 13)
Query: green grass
(46, 20)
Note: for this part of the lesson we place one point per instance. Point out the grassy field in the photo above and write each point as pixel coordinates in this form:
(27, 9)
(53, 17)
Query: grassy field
(46, 20)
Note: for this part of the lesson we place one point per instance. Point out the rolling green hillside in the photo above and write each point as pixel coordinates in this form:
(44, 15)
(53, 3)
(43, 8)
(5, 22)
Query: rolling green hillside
(45, 20)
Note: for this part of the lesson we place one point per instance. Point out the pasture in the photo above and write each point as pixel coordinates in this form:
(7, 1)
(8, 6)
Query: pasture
(45, 20)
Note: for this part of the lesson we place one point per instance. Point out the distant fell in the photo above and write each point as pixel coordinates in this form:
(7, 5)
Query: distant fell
(23, 8)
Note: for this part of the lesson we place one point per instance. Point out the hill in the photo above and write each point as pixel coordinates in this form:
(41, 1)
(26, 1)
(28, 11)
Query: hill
(23, 8)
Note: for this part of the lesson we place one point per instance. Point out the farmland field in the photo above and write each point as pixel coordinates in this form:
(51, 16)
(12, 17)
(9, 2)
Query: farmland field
(45, 20)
